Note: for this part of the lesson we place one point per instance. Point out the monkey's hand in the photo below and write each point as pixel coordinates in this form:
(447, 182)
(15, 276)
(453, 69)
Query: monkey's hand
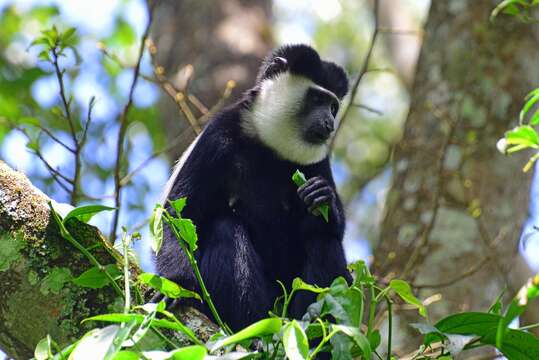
(316, 192)
(170, 303)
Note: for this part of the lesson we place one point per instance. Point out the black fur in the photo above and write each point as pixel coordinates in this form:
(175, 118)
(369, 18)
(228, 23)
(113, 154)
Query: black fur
(304, 60)
(254, 225)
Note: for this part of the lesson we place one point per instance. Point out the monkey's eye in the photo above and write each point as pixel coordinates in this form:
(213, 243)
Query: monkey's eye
(334, 107)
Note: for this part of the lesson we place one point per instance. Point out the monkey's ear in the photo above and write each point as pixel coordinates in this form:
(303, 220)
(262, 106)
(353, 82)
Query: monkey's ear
(336, 78)
(276, 66)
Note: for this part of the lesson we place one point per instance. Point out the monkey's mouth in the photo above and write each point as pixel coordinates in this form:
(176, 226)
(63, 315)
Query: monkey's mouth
(318, 136)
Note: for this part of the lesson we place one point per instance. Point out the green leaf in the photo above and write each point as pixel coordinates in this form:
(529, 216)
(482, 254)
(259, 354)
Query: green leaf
(44, 55)
(359, 338)
(86, 212)
(160, 323)
(194, 352)
(156, 228)
(66, 36)
(403, 289)
(375, 339)
(178, 205)
(516, 344)
(28, 120)
(341, 347)
(522, 135)
(117, 342)
(295, 341)
(527, 293)
(126, 355)
(535, 118)
(141, 331)
(343, 302)
(62, 355)
(324, 210)
(95, 342)
(261, 328)
(126, 318)
(167, 287)
(432, 334)
(299, 179)
(299, 284)
(96, 278)
(362, 273)
(532, 99)
(43, 349)
(469, 323)
(187, 231)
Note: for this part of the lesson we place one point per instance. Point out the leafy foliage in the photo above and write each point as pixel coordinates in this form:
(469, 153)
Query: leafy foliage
(334, 324)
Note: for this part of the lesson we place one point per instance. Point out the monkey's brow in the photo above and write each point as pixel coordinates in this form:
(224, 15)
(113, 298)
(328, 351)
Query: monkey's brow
(323, 91)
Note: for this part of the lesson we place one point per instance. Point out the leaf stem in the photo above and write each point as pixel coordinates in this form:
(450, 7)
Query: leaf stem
(66, 235)
(528, 327)
(389, 326)
(127, 306)
(372, 310)
(205, 294)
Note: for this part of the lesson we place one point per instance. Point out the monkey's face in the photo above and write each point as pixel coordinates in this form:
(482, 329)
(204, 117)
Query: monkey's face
(317, 117)
(293, 116)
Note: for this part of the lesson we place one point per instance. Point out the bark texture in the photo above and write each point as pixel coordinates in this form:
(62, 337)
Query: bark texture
(36, 268)
(456, 202)
(222, 40)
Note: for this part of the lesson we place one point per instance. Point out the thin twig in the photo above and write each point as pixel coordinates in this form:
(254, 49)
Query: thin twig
(71, 123)
(457, 278)
(176, 94)
(56, 175)
(123, 126)
(369, 109)
(65, 102)
(391, 31)
(361, 74)
(56, 139)
(84, 136)
(49, 167)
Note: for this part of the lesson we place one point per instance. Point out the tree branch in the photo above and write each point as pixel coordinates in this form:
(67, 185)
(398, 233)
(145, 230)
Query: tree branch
(361, 74)
(123, 126)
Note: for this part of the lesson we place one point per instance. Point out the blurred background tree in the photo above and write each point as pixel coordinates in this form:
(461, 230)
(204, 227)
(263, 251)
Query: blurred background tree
(204, 53)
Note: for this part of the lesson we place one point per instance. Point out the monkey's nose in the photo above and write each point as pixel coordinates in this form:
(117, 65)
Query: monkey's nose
(328, 125)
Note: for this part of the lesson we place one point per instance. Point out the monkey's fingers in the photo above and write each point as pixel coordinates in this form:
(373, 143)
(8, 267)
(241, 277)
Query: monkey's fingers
(169, 302)
(156, 298)
(311, 185)
(325, 191)
(321, 200)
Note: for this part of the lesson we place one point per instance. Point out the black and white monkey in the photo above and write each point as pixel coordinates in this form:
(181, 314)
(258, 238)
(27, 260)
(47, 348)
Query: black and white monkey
(254, 225)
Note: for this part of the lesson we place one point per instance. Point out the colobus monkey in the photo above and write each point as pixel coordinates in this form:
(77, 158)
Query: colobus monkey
(254, 225)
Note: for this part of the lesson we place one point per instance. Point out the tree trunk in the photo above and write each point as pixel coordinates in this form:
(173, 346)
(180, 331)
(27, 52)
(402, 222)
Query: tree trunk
(222, 40)
(456, 206)
(36, 268)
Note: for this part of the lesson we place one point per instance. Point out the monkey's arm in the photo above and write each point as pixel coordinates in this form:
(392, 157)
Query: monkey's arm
(318, 190)
(322, 241)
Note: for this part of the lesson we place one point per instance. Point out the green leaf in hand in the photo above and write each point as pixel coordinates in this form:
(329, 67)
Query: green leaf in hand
(299, 179)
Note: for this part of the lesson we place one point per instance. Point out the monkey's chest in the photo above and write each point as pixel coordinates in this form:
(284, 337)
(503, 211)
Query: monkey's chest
(263, 190)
